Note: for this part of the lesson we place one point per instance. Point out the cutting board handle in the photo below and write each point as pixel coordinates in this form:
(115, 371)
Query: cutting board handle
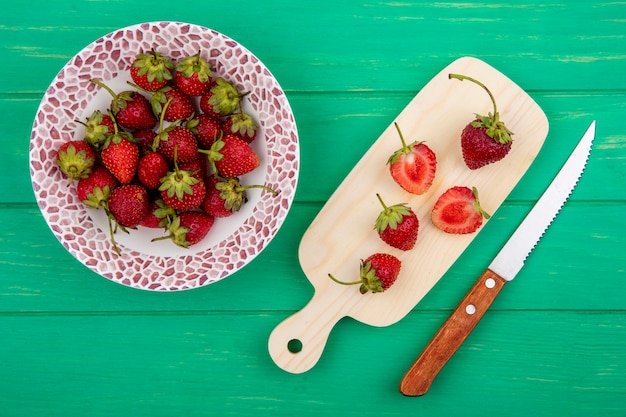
(298, 342)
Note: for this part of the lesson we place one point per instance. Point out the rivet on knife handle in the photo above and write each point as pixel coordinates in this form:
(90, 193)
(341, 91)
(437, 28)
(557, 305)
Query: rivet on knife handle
(452, 334)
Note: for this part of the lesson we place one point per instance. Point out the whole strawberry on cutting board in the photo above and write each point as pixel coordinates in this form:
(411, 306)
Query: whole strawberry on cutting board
(342, 234)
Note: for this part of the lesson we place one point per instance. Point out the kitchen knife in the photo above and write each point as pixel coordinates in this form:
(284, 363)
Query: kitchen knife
(502, 269)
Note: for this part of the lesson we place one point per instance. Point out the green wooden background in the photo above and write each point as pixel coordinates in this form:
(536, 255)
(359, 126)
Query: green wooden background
(554, 343)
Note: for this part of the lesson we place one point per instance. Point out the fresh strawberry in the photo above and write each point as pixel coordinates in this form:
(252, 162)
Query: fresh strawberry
(206, 107)
(193, 75)
(189, 228)
(159, 215)
(222, 99)
(182, 191)
(94, 190)
(152, 167)
(397, 225)
(97, 127)
(151, 71)
(458, 211)
(75, 159)
(145, 139)
(225, 196)
(486, 139)
(179, 140)
(197, 167)
(413, 166)
(179, 107)
(232, 157)
(128, 204)
(241, 125)
(206, 128)
(377, 273)
(130, 108)
(120, 155)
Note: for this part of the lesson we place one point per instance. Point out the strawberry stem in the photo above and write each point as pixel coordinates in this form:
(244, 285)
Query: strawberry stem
(465, 77)
(343, 283)
(266, 188)
(106, 87)
(404, 147)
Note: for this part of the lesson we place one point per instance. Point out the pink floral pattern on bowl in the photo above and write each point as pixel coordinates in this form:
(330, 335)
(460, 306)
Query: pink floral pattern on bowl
(162, 266)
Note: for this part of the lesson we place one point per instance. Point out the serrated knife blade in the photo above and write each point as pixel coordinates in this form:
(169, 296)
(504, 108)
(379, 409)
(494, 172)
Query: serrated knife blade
(504, 267)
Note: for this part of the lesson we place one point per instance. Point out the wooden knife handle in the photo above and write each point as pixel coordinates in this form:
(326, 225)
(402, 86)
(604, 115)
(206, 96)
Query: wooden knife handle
(452, 334)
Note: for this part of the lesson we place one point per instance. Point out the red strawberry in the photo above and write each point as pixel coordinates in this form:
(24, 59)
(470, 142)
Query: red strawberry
(75, 159)
(206, 107)
(128, 204)
(180, 190)
(94, 190)
(222, 99)
(177, 142)
(97, 128)
(193, 75)
(151, 71)
(145, 139)
(180, 105)
(413, 166)
(197, 167)
(189, 228)
(130, 109)
(241, 125)
(377, 273)
(206, 128)
(225, 196)
(121, 157)
(152, 167)
(232, 157)
(458, 211)
(397, 225)
(486, 139)
(159, 215)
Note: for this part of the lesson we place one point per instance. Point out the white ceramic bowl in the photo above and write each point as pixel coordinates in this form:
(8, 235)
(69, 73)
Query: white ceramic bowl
(162, 266)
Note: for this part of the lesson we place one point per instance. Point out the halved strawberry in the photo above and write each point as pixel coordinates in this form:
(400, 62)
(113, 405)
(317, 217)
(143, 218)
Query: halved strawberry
(397, 225)
(413, 166)
(458, 211)
(377, 273)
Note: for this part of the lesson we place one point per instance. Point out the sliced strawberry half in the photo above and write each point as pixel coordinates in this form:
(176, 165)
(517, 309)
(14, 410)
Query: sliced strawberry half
(458, 211)
(413, 166)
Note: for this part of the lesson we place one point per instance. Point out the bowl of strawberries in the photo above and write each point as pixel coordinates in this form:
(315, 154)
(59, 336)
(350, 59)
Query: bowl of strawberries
(164, 156)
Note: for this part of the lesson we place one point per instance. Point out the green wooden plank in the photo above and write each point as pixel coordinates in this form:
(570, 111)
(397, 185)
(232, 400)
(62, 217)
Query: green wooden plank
(217, 364)
(579, 264)
(345, 126)
(353, 45)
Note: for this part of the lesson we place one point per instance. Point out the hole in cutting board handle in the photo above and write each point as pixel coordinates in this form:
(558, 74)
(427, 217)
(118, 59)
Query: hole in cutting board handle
(294, 346)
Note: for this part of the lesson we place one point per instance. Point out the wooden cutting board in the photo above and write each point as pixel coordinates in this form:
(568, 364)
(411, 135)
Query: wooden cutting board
(343, 232)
